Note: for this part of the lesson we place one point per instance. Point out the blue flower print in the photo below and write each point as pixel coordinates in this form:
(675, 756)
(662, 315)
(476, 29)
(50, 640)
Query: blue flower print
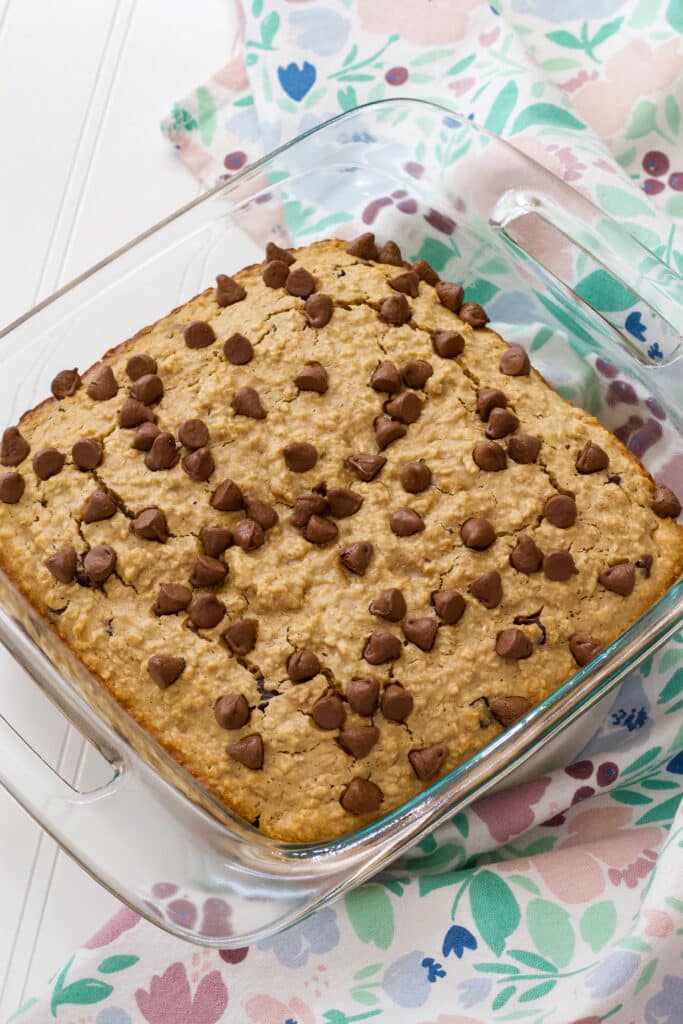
(317, 934)
(666, 1007)
(635, 326)
(112, 1015)
(553, 11)
(456, 940)
(613, 973)
(297, 81)
(405, 981)
(320, 29)
(434, 970)
(473, 990)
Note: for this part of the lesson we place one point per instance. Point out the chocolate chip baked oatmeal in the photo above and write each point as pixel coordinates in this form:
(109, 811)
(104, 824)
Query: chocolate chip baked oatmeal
(324, 535)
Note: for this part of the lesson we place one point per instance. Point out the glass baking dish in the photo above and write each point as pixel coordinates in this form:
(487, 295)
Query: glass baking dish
(602, 319)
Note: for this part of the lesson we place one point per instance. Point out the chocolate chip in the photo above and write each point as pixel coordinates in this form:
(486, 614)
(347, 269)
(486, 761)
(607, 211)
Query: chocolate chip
(65, 384)
(415, 477)
(416, 373)
(300, 283)
(328, 711)
(508, 710)
(248, 535)
(645, 563)
(584, 648)
(199, 465)
(533, 620)
(526, 556)
(390, 253)
(262, 513)
(665, 503)
(87, 453)
(206, 611)
(620, 578)
(358, 740)
(395, 310)
(302, 665)
(591, 459)
(514, 644)
(450, 295)
(48, 462)
(150, 524)
(387, 431)
(275, 273)
(558, 565)
(560, 510)
(248, 751)
(313, 377)
(307, 505)
(194, 434)
(99, 506)
(172, 598)
(408, 283)
(489, 399)
(102, 385)
(396, 703)
(390, 605)
(386, 378)
(523, 448)
(227, 497)
(515, 361)
(228, 291)
(366, 465)
(363, 696)
(343, 503)
(449, 605)
(99, 563)
(134, 413)
(356, 557)
(141, 364)
(207, 571)
(199, 333)
(318, 309)
(448, 344)
(363, 247)
(163, 454)
(421, 632)
(215, 540)
(405, 408)
(405, 522)
(300, 456)
(427, 763)
(144, 436)
(148, 389)
(381, 647)
(12, 487)
(489, 456)
(477, 533)
(488, 589)
(501, 423)
(13, 448)
(247, 402)
(320, 530)
(62, 564)
(238, 350)
(361, 797)
(241, 636)
(232, 711)
(473, 314)
(425, 272)
(165, 669)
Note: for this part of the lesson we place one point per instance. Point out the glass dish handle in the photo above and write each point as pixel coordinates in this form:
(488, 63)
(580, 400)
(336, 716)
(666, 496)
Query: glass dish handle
(624, 263)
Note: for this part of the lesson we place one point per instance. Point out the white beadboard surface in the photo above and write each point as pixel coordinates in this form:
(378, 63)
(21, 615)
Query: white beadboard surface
(83, 84)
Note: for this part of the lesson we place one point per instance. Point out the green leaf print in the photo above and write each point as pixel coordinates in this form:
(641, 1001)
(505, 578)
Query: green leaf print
(543, 335)
(367, 972)
(643, 120)
(662, 812)
(371, 915)
(674, 14)
(642, 761)
(597, 924)
(481, 291)
(207, 114)
(674, 206)
(602, 291)
(269, 27)
(620, 203)
(545, 113)
(494, 909)
(605, 32)
(645, 976)
(673, 688)
(502, 107)
(630, 797)
(117, 963)
(436, 252)
(537, 991)
(446, 855)
(503, 997)
(346, 98)
(461, 823)
(462, 65)
(566, 39)
(551, 930)
(537, 963)
(672, 113)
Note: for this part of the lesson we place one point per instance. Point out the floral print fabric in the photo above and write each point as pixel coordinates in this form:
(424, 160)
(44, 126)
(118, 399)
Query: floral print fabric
(561, 901)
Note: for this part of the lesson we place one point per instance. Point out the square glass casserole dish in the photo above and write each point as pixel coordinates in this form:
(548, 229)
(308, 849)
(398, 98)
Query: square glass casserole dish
(601, 317)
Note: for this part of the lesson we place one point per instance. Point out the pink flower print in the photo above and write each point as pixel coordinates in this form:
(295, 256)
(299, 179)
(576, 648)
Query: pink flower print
(232, 75)
(424, 22)
(571, 165)
(572, 84)
(267, 1010)
(461, 85)
(448, 1018)
(489, 38)
(632, 873)
(121, 922)
(507, 814)
(658, 924)
(169, 1000)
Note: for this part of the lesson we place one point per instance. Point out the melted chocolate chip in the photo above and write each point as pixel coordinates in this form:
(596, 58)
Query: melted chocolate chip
(391, 254)
(275, 273)
(523, 448)
(261, 512)
(102, 385)
(87, 453)
(366, 465)
(99, 506)
(408, 283)
(416, 372)
(513, 644)
(428, 762)
(533, 620)
(13, 448)
(247, 402)
(395, 310)
(447, 344)
(199, 334)
(450, 295)
(363, 247)
(48, 462)
(300, 283)
(163, 454)
(620, 578)
(232, 711)
(387, 431)
(477, 533)
(241, 636)
(386, 378)
(396, 703)
(150, 524)
(356, 557)
(248, 752)
(320, 530)
(312, 377)
(148, 389)
(665, 503)
(318, 309)
(145, 436)
(526, 556)
(449, 605)
(645, 563)
(343, 502)
(300, 457)
(228, 291)
(194, 434)
(358, 740)
(363, 696)
(415, 477)
(172, 598)
(12, 487)
(488, 589)
(215, 540)
(591, 459)
(274, 252)
(328, 711)
(248, 535)
(381, 647)
(489, 399)
(165, 669)
(508, 710)
(307, 505)
(140, 364)
(134, 413)
(405, 522)
(584, 648)
(206, 611)
(99, 563)
(558, 565)
(361, 797)
(199, 465)
(421, 632)
(65, 384)
(389, 605)
(62, 564)
(302, 665)
(489, 456)
(515, 362)
(227, 497)
(426, 272)
(501, 423)
(560, 511)
(207, 571)
(238, 350)
(405, 408)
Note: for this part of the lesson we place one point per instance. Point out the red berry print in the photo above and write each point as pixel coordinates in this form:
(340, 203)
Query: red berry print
(233, 161)
(396, 76)
(580, 770)
(655, 163)
(676, 181)
(652, 187)
(608, 773)
(582, 793)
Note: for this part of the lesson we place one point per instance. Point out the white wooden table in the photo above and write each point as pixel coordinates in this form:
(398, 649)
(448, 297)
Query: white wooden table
(83, 85)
